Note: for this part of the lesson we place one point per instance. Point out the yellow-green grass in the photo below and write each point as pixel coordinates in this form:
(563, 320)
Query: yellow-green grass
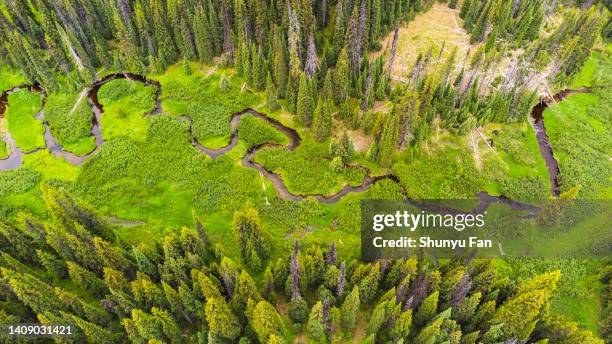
(10, 78)
(70, 121)
(125, 105)
(199, 96)
(50, 167)
(307, 169)
(438, 26)
(24, 127)
(4, 149)
(82, 147)
(449, 166)
(579, 130)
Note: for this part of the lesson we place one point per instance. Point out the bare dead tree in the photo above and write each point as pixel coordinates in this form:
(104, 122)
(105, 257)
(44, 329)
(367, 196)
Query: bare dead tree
(461, 290)
(341, 280)
(332, 255)
(312, 61)
(227, 43)
(295, 272)
(393, 51)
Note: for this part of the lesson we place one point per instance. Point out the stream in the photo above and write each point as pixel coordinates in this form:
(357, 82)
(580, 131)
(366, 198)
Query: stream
(485, 200)
(544, 142)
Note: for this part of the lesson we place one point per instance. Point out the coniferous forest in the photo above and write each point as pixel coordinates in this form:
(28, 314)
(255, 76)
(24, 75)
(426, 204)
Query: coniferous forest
(191, 171)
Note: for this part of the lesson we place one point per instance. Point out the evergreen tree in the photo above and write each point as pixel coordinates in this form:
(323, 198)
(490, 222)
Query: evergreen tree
(251, 236)
(427, 309)
(322, 121)
(291, 96)
(316, 324)
(280, 64)
(266, 321)
(341, 77)
(31, 291)
(221, 320)
(388, 141)
(350, 309)
(305, 103)
(271, 93)
(203, 33)
(518, 315)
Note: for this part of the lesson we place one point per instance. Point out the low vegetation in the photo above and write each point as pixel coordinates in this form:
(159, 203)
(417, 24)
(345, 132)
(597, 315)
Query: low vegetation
(70, 121)
(27, 131)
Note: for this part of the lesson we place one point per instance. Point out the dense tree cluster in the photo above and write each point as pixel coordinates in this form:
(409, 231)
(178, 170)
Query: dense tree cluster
(184, 289)
(513, 20)
(48, 39)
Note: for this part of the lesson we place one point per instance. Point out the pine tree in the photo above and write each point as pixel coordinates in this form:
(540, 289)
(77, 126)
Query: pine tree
(271, 93)
(87, 280)
(143, 262)
(341, 77)
(251, 236)
(388, 141)
(316, 324)
(427, 309)
(280, 64)
(312, 61)
(353, 39)
(110, 256)
(221, 320)
(409, 119)
(305, 103)
(375, 24)
(322, 121)
(401, 327)
(266, 321)
(93, 332)
(257, 70)
(429, 332)
(518, 315)
(31, 291)
(291, 95)
(203, 34)
(350, 309)
(298, 309)
(246, 290)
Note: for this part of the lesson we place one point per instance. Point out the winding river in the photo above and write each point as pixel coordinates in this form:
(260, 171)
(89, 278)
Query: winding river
(15, 158)
(542, 136)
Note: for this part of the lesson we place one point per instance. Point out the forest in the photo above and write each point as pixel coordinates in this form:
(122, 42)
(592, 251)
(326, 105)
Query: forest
(192, 171)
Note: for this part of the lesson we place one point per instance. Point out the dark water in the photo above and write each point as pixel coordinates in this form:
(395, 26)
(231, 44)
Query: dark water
(16, 158)
(485, 200)
(544, 142)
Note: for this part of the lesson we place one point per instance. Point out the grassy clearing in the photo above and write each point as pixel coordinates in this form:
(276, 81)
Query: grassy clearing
(440, 25)
(307, 170)
(125, 104)
(10, 78)
(24, 127)
(70, 121)
(579, 131)
(254, 131)
(448, 166)
(199, 95)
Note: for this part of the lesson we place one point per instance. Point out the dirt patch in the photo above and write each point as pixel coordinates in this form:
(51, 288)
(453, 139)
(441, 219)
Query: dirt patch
(473, 139)
(361, 141)
(359, 330)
